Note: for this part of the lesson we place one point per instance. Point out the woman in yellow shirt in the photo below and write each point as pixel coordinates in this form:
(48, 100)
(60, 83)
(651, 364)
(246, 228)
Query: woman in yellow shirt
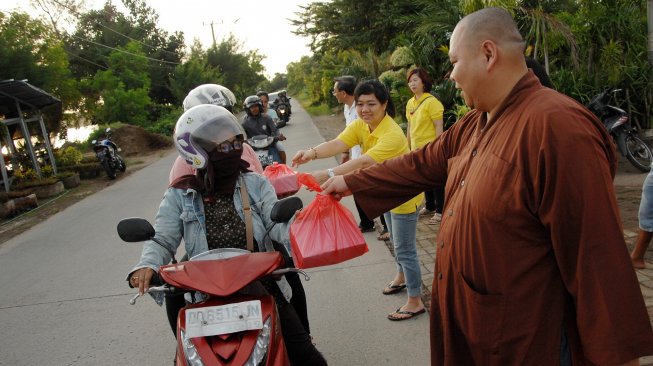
(424, 114)
(380, 139)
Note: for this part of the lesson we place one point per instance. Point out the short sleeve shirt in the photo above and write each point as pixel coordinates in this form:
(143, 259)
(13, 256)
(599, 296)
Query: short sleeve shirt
(385, 142)
(421, 113)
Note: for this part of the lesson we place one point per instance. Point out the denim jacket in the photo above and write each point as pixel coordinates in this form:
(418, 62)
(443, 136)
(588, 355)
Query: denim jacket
(181, 215)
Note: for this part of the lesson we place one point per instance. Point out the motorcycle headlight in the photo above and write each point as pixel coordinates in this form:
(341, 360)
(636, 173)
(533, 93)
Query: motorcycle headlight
(190, 352)
(261, 347)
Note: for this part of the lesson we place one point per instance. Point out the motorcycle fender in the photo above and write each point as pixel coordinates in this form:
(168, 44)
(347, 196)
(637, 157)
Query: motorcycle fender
(620, 136)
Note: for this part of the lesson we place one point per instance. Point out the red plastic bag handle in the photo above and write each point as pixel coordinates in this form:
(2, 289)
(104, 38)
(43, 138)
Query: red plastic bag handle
(309, 181)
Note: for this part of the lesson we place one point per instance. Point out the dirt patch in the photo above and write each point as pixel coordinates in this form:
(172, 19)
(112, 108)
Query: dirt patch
(330, 126)
(134, 140)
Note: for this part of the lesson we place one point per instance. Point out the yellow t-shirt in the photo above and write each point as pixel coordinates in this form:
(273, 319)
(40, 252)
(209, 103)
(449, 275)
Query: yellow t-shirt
(421, 117)
(386, 142)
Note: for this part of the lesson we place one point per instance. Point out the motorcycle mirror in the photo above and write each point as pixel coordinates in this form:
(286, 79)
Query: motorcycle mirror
(93, 142)
(135, 229)
(285, 208)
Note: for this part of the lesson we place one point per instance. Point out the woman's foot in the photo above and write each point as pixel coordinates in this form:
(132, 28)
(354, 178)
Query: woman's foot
(385, 235)
(638, 263)
(437, 217)
(407, 311)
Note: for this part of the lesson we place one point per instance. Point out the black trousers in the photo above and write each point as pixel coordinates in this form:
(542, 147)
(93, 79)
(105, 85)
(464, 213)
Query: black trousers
(435, 199)
(366, 222)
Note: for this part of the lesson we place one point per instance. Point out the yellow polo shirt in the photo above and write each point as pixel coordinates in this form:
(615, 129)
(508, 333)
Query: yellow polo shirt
(386, 142)
(421, 117)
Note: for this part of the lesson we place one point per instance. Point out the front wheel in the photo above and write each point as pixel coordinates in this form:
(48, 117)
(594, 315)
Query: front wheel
(111, 172)
(121, 164)
(638, 153)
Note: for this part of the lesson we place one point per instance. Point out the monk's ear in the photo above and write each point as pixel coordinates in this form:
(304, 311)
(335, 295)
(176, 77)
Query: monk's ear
(490, 53)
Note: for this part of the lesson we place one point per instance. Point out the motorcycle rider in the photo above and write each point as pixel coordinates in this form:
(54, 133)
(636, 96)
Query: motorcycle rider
(283, 98)
(265, 99)
(221, 96)
(257, 123)
(206, 211)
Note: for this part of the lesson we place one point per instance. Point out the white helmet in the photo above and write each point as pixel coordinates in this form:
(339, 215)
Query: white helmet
(201, 129)
(210, 94)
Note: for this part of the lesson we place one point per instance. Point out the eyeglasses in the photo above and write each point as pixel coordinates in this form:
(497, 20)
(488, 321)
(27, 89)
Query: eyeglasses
(228, 146)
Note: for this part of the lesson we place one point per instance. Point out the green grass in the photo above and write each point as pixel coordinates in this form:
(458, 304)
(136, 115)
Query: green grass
(313, 110)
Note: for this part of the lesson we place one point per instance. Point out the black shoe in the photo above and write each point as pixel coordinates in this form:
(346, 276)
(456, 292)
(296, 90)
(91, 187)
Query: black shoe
(365, 229)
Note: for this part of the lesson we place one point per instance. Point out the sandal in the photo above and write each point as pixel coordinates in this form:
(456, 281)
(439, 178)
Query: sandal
(411, 314)
(425, 211)
(393, 289)
(435, 219)
(384, 236)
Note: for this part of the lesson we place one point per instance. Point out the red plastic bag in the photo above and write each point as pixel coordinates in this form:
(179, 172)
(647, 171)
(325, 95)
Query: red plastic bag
(283, 179)
(325, 233)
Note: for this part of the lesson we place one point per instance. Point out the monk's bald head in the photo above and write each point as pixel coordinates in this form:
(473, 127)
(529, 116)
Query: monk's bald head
(493, 24)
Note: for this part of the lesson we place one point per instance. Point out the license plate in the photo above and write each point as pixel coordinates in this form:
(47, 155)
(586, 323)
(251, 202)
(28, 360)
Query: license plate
(265, 158)
(224, 319)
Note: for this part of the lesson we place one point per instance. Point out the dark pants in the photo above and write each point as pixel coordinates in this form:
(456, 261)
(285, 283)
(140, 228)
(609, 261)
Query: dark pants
(435, 199)
(366, 222)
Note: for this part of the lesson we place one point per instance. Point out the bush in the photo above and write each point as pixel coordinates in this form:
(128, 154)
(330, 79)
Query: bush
(165, 125)
(70, 156)
(35, 183)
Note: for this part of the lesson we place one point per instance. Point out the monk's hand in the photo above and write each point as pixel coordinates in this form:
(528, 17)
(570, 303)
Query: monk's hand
(336, 186)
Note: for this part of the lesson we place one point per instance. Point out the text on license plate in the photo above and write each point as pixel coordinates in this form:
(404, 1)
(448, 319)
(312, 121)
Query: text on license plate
(224, 319)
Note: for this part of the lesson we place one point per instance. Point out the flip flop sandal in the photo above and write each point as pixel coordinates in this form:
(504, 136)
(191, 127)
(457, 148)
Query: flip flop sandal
(411, 314)
(383, 236)
(393, 289)
(435, 219)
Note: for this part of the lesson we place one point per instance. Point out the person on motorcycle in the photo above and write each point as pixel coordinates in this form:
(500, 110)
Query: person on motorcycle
(265, 100)
(283, 98)
(206, 211)
(221, 96)
(257, 123)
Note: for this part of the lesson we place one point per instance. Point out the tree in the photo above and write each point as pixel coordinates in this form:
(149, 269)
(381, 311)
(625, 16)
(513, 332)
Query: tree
(123, 87)
(29, 50)
(194, 72)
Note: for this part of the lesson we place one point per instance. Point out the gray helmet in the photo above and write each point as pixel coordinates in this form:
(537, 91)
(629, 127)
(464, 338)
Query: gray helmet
(210, 94)
(201, 129)
(251, 101)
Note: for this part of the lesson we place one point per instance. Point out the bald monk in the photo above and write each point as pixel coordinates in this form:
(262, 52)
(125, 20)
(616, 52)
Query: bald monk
(531, 265)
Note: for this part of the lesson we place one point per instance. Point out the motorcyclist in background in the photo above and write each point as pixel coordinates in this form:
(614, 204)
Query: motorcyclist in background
(258, 123)
(265, 100)
(283, 98)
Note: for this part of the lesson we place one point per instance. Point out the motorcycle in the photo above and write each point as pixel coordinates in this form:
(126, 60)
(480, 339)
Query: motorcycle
(263, 146)
(617, 123)
(226, 320)
(106, 152)
(284, 114)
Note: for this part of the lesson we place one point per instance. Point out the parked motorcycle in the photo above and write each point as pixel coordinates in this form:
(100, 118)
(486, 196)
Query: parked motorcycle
(106, 152)
(224, 322)
(617, 122)
(263, 146)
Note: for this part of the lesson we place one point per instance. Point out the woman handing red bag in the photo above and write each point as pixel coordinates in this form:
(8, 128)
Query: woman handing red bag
(324, 232)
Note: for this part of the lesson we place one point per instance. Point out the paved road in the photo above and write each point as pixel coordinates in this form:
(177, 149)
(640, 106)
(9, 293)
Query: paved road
(64, 300)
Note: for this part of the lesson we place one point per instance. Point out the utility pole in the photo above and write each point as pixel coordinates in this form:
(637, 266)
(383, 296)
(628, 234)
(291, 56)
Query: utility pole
(212, 32)
(649, 9)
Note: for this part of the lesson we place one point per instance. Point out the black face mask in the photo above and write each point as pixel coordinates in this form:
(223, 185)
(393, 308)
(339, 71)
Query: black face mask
(223, 171)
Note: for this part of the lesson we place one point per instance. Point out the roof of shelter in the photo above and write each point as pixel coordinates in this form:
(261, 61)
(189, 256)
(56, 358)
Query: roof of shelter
(25, 93)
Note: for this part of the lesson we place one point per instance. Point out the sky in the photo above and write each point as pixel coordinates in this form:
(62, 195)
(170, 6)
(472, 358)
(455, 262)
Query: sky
(257, 24)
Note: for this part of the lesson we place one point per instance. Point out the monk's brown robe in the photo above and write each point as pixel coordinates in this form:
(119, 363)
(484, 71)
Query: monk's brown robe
(530, 248)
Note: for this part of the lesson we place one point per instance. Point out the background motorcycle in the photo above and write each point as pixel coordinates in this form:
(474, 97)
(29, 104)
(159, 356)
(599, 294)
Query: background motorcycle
(263, 146)
(106, 152)
(617, 122)
(284, 114)
(222, 325)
